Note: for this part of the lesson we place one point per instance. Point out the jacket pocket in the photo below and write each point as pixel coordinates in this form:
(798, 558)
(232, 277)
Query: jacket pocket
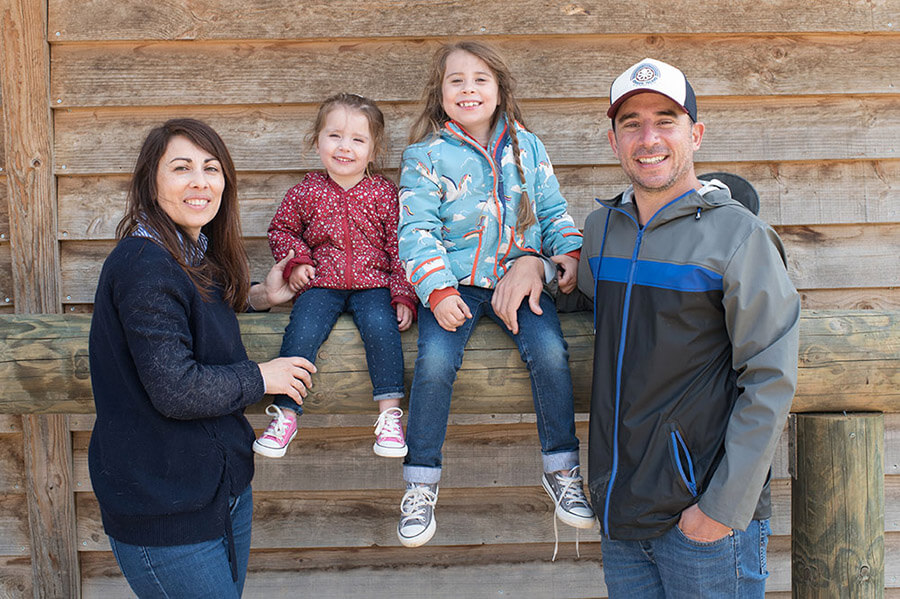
(681, 457)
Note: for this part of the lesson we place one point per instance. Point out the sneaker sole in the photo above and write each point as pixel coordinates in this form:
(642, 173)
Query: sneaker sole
(272, 452)
(421, 538)
(565, 517)
(390, 452)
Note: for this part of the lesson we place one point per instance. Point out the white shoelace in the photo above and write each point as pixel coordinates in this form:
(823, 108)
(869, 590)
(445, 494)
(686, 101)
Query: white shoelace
(388, 423)
(573, 493)
(413, 506)
(278, 427)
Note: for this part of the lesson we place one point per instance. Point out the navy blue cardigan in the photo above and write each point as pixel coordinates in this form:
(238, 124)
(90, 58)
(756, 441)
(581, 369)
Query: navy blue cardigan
(171, 380)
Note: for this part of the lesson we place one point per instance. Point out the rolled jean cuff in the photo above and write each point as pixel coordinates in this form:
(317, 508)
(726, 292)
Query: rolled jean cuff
(388, 395)
(563, 460)
(421, 474)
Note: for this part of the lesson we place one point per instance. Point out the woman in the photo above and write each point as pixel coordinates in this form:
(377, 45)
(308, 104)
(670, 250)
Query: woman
(170, 457)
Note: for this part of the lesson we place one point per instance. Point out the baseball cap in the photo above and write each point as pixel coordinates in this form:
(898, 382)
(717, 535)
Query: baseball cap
(651, 75)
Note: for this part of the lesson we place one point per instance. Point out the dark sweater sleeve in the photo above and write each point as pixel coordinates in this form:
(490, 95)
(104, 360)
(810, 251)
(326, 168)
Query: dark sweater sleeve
(156, 302)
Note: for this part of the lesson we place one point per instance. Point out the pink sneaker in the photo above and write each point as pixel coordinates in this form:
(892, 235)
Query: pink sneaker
(274, 442)
(389, 441)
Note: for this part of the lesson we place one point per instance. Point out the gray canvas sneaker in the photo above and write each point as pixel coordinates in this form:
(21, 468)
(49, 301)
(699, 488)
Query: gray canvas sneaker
(566, 491)
(417, 523)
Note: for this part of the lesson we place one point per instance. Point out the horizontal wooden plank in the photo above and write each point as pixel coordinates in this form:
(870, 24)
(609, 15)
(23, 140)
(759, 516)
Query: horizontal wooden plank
(848, 361)
(471, 571)
(15, 576)
(791, 193)
(268, 138)
(71, 20)
(819, 257)
(14, 536)
(152, 74)
(12, 463)
(505, 448)
(365, 518)
(842, 256)
(887, 298)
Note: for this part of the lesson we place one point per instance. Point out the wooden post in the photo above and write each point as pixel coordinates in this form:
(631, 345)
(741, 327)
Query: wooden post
(837, 505)
(25, 85)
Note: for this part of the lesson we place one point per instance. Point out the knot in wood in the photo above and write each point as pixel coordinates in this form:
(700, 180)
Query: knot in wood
(863, 574)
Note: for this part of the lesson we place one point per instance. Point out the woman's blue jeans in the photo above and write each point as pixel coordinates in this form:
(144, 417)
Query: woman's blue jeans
(313, 316)
(675, 567)
(545, 353)
(197, 570)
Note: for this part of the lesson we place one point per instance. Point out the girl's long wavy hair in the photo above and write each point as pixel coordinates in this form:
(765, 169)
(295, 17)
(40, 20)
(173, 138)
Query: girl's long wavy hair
(433, 116)
(226, 262)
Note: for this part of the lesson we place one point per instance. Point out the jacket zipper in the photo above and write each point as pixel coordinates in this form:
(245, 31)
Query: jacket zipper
(621, 351)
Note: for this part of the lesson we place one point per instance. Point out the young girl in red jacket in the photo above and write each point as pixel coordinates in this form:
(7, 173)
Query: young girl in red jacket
(342, 226)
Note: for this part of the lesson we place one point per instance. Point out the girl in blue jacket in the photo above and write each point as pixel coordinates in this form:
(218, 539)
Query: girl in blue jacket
(477, 193)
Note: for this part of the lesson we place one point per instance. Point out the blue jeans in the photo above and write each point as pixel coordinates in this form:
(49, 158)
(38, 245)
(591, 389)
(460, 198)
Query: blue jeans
(194, 571)
(674, 567)
(544, 352)
(313, 316)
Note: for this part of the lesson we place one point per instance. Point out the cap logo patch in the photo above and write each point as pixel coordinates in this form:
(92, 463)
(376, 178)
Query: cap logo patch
(644, 74)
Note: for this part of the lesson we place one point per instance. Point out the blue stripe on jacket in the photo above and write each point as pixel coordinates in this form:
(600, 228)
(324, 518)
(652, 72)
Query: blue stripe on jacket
(678, 277)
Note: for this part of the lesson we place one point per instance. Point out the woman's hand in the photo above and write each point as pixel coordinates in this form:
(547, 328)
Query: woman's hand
(451, 312)
(274, 290)
(291, 376)
(405, 316)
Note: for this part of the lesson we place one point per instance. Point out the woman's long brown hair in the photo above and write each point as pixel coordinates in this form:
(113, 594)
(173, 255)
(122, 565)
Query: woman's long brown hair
(226, 262)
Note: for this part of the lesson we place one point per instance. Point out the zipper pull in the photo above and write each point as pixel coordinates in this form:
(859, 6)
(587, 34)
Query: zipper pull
(697, 216)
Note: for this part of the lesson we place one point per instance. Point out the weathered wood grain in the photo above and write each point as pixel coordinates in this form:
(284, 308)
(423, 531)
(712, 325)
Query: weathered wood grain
(842, 256)
(507, 452)
(847, 361)
(851, 299)
(7, 295)
(153, 74)
(365, 518)
(838, 504)
(12, 463)
(268, 138)
(15, 577)
(14, 536)
(71, 20)
(819, 257)
(791, 193)
(4, 204)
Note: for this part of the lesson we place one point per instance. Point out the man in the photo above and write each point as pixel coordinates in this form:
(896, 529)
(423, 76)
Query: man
(695, 358)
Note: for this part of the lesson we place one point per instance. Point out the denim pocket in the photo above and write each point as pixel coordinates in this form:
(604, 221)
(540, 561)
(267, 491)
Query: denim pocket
(682, 458)
(727, 540)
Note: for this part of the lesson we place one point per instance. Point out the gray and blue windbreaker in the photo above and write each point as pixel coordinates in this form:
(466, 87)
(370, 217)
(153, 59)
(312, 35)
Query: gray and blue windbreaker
(458, 204)
(695, 361)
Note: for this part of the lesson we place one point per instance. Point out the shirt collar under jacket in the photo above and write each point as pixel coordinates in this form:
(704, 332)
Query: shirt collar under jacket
(193, 254)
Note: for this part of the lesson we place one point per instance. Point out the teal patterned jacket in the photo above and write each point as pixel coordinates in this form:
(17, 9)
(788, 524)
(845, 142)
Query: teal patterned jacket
(458, 204)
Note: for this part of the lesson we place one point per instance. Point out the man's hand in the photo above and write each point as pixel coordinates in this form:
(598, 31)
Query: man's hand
(569, 275)
(524, 279)
(451, 312)
(699, 527)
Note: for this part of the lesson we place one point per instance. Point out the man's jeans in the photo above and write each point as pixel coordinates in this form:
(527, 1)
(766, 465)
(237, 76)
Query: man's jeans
(198, 570)
(675, 567)
(313, 316)
(544, 352)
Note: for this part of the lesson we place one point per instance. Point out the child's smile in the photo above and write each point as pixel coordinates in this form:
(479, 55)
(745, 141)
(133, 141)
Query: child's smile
(345, 146)
(470, 94)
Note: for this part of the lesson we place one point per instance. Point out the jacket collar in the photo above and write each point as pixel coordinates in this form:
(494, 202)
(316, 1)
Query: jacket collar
(712, 195)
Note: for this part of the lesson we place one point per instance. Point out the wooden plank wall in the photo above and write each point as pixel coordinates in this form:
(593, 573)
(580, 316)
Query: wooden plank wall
(801, 97)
